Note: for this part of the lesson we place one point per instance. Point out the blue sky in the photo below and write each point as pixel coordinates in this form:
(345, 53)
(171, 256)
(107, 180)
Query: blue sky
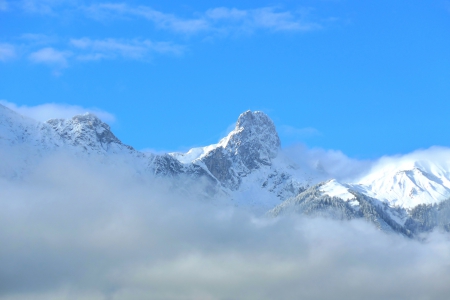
(369, 78)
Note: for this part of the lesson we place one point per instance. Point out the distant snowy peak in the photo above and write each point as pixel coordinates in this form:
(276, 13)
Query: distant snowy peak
(403, 184)
(409, 187)
(253, 144)
(248, 158)
(89, 132)
(84, 134)
(253, 134)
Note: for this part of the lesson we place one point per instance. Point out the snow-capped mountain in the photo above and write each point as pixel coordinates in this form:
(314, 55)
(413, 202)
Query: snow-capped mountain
(83, 134)
(408, 184)
(241, 160)
(405, 195)
(249, 167)
(246, 162)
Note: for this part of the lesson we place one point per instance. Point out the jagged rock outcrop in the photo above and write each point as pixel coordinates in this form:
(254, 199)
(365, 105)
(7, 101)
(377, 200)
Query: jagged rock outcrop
(407, 197)
(88, 132)
(251, 145)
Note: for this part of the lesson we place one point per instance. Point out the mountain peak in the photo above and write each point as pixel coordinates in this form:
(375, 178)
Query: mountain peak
(249, 119)
(254, 130)
(86, 130)
(89, 119)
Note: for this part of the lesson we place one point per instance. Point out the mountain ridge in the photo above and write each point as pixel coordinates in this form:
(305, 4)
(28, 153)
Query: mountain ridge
(249, 167)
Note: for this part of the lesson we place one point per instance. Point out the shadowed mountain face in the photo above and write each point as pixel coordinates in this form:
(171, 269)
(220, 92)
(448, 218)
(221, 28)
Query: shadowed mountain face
(408, 197)
(252, 144)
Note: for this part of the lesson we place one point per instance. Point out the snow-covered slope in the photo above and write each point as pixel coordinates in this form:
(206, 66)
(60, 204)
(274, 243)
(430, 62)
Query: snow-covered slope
(247, 165)
(85, 134)
(89, 133)
(405, 182)
(408, 184)
(247, 150)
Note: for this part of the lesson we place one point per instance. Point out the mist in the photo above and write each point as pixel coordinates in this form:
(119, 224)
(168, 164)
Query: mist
(324, 164)
(77, 229)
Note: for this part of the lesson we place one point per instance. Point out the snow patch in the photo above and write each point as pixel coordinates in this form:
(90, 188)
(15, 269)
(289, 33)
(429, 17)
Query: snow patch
(335, 189)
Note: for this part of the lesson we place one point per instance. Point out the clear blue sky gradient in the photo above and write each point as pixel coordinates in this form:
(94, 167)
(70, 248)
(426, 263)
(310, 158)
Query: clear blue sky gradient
(369, 78)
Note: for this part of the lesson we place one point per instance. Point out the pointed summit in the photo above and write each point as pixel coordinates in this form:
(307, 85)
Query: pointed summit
(250, 119)
(254, 135)
(252, 144)
(88, 131)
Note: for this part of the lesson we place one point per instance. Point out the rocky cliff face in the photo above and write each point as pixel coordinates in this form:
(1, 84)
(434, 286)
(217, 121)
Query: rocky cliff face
(89, 133)
(408, 197)
(251, 145)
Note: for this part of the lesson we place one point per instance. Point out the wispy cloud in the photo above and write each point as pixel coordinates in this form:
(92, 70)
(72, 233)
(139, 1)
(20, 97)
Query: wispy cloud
(218, 19)
(59, 52)
(327, 164)
(47, 111)
(261, 18)
(89, 49)
(160, 19)
(45, 7)
(41, 7)
(215, 19)
(51, 57)
(7, 52)
(89, 230)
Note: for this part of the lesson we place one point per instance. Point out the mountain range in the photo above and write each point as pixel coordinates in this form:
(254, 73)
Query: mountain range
(408, 196)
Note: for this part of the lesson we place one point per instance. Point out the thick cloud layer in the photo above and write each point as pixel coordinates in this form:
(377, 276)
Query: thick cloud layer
(324, 164)
(47, 111)
(74, 230)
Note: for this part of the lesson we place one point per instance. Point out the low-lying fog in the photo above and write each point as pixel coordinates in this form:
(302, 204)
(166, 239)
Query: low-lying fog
(80, 230)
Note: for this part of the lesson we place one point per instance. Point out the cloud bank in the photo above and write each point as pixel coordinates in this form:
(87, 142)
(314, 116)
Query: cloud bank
(81, 230)
(322, 164)
(47, 111)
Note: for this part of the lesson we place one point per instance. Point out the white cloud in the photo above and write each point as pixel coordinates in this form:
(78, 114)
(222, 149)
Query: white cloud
(269, 18)
(221, 13)
(7, 52)
(51, 56)
(218, 19)
(47, 111)
(88, 49)
(433, 159)
(45, 7)
(324, 164)
(160, 19)
(81, 230)
(262, 18)
(33, 6)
